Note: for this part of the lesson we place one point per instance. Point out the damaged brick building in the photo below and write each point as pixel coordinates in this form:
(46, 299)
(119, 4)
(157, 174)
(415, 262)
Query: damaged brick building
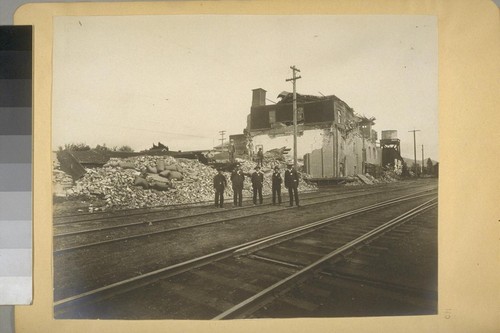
(333, 140)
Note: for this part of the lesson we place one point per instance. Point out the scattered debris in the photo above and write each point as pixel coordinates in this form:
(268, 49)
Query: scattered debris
(365, 179)
(134, 182)
(151, 181)
(61, 182)
(277, 154)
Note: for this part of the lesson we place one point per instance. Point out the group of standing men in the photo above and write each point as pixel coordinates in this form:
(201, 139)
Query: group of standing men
(257, 178)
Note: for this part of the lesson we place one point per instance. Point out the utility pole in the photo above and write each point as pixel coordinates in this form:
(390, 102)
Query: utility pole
(294, 79)
(363, 152)
(422, 159)
(415, 148)
(222, 139)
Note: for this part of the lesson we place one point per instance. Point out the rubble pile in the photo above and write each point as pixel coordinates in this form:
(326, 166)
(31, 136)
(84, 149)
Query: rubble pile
(61, 182)
(268, 166)
(353, 181)
(146, 181)
(388, 177)
(149, 181)
(276, 154)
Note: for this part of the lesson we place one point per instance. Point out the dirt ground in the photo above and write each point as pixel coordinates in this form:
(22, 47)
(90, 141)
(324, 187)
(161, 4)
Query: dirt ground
(75, 206)
(77, 271)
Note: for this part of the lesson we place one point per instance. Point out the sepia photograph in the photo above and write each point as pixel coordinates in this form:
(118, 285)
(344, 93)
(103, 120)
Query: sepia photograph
(244, 166)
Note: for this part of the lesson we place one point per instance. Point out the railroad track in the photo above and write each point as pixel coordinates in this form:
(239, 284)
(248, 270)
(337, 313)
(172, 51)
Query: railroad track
(128, 212)
(66, 219)
(248, 306)
(85, 235)
(176, 210)
(393, 274)
(256, 270)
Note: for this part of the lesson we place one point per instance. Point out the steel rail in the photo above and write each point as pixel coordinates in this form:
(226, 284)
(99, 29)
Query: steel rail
(198, 203)
(159, 209)
(144, 279)
(314, 225)
(60, 251)
(260, 297)
(166, 208)
(162, 220)
(125, 210)
(173, 217)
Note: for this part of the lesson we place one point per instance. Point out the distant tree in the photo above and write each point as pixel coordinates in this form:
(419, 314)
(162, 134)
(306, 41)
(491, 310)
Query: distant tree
(77, 146)
(102, 148)
(429, 167)
(415, 168)
(125, 148)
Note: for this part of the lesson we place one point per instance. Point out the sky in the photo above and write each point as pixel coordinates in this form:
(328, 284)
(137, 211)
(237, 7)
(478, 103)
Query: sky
(180, 80)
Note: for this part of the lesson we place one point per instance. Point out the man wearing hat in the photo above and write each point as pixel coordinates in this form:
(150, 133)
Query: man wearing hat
(237, 179)
(257, 180)
(220, 184)
(276, 185)
(292, 183)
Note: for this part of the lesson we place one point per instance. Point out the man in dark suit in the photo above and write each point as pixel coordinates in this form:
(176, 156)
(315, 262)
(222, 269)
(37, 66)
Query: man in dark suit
(260, 157)
(237, 179)
(276, 185)
(220, 184)
(292, 183)
(257, 180)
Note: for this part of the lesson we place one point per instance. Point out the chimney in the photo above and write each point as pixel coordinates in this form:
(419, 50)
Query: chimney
(258, 97)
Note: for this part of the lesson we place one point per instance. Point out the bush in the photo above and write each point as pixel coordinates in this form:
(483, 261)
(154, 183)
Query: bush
(77, 146)
(127, 149)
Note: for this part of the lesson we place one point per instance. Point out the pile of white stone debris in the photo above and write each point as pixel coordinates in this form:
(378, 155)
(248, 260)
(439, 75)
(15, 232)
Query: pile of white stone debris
(152, 181)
